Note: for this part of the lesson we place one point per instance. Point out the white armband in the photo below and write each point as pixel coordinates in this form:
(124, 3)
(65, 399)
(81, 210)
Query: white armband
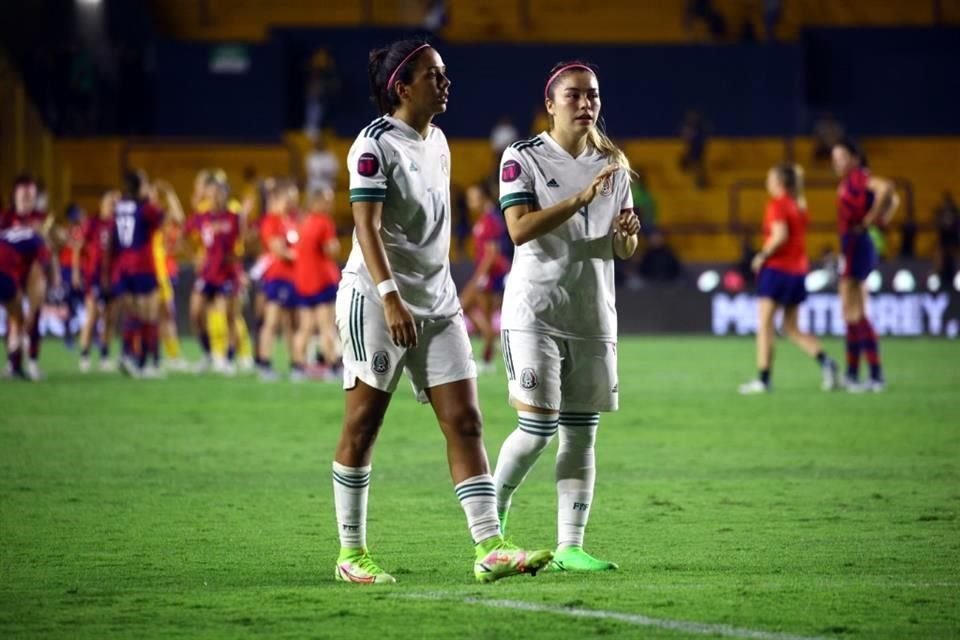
(387, 286)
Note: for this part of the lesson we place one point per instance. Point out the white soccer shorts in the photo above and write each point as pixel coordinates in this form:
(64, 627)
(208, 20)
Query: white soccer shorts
(443, 353)
(560, 374)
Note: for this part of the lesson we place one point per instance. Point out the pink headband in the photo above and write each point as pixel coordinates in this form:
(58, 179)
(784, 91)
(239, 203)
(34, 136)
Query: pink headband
(575, 65)
(403, 62)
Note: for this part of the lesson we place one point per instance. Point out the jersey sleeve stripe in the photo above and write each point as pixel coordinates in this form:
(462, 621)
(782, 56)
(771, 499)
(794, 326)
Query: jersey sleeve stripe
(522, 197)
(368, 195)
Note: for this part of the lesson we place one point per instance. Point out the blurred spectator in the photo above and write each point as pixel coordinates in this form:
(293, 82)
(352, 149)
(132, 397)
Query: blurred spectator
(502, 136)
(694, 135)
(321, 167)
(462, 226)
(659, 262)
(540, 122)
(643, 203)
(435, 19)
(322, 92)
(948, 236)
(827, 131)
(703, 10)
(908, 237)
(772, 10)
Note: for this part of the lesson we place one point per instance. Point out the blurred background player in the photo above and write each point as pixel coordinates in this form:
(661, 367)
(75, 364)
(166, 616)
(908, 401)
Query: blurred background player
(863, 200)
(69, 240)
(90, 270)
(27, 212)
(137, 216)
(782, 266)
(566, 197)
(164, 243)
(482, 294)
(217, 284)
(22, 251)
(316, 276)
(278, 235)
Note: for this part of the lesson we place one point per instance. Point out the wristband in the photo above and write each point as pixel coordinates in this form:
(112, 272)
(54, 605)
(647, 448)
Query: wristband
(387, 286)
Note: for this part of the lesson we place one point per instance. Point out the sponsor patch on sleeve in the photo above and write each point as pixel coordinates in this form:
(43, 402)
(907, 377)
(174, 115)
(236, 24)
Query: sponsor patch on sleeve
(368, 165)
(510, 171)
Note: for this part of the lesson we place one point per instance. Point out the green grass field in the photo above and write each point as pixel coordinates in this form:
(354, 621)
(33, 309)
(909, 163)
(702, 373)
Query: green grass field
(202, 507)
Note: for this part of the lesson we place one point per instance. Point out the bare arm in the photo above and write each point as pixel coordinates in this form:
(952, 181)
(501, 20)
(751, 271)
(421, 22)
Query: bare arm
(885, 201)
(525, 225)
(778, 235)
(280, 249)
(366, 216)
(174, 209)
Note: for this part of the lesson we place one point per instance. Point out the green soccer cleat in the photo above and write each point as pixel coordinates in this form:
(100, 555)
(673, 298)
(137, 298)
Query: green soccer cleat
(356, 566)
(576, 559)
(502, 560)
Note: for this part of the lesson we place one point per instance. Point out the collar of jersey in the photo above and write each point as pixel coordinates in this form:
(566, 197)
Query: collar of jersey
(553, 144)
(406, 130)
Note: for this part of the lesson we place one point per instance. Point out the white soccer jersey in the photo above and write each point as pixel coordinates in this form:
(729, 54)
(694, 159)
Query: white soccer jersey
(390, 163)
(562, 282)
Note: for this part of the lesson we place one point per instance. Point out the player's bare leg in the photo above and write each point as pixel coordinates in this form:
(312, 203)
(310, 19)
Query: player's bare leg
(810, 346)
(325, 319)
(267, 339)
(766, 334)
(86, 331)
(306, 326)
(15, 337)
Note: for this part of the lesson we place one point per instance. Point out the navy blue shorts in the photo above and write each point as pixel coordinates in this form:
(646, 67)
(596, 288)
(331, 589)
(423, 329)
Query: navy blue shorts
(135, 284)
(325, 296)
(281, 292)
(496, 284)
(859, 255)
(787, 289)
(210, 290)
(8, 288)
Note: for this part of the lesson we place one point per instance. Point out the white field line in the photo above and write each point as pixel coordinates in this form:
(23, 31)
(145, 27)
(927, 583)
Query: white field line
(685, 626)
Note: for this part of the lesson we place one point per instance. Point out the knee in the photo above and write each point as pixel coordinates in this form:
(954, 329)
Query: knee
(466, 422)
(361, 427)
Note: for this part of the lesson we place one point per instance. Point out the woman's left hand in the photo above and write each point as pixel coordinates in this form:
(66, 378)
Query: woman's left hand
(627, 223)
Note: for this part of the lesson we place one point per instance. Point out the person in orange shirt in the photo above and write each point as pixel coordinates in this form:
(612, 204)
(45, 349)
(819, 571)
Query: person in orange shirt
(278, 235)
(316, 275)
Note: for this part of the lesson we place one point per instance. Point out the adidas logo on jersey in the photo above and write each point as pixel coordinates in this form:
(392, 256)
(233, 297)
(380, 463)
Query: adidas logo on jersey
(553, 183)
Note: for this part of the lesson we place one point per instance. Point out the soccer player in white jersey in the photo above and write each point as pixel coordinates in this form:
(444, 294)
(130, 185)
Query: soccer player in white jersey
(566, 197)
(397, 309)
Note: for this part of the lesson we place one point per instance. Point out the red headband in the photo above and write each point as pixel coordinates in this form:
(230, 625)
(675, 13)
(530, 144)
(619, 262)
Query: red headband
(403, 62)
(575, 65)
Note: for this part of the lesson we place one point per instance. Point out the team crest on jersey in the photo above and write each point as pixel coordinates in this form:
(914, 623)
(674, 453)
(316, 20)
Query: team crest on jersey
(445, 164)
(606, 187)
(510, 171)
(381, 362)
(368, 165)
(528, 379)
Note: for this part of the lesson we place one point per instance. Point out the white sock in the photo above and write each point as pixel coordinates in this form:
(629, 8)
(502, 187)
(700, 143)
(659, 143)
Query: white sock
(351, 485)
(576, 476)
(479, 501)
(520, 451)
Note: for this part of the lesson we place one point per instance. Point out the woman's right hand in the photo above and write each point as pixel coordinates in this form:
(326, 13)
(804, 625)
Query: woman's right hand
(403, 330)
(587, 195)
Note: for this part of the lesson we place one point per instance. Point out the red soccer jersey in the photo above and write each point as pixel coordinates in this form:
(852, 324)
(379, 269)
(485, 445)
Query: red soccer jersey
(490, 228)
(20, 247)
(313, 269)
(74, 238)
(791, 257)
(219, 232)
(33, 219)
(96, 241)
(854, 199)
(134, 223)
(276, 225)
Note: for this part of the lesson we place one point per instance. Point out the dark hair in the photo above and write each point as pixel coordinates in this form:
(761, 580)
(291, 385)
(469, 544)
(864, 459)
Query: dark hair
(853, 148)
(23, 180)
(132, 183)
(576, 66)
(383, 63)
(787, 175)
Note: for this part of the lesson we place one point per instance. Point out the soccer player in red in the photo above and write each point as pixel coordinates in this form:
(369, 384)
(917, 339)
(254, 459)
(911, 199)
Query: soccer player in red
(69, 240)
(782, 267)
(278, 235)
(863, 200)
(26, 213)
(136, 218)
(316, 276)
(22, 251)
(89, 270)
(218, 283)
(481, 297)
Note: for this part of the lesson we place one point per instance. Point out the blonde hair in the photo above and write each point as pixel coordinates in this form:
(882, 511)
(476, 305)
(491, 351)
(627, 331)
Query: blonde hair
(596, 137)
